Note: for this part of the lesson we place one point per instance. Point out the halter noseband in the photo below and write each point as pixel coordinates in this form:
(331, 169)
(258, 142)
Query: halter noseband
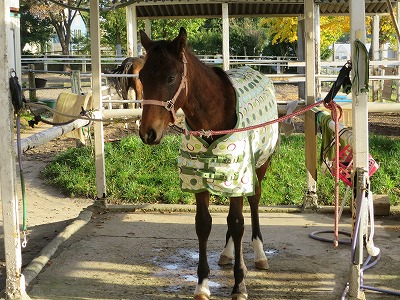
(169, 105)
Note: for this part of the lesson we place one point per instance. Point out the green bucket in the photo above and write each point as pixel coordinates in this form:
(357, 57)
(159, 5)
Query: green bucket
(50, 103)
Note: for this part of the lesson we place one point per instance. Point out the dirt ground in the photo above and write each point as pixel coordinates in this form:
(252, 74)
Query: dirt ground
(171, 266)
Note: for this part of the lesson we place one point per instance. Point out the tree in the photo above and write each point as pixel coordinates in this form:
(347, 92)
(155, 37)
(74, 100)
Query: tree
(208, 38)
(332, 29)
(285, 30)
(169, 28)
(246, 37)
(113, 25)
(33, 30)
(60, 17)
(387, 33)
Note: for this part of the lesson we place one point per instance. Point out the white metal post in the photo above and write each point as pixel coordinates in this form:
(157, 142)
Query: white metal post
(134, 30)
(310, 128)
(225, 36)
(398, 53)
(360, 132)
(317, 45)
(97, 102)
(15, 48)
(147, 27)
(15, 282)
(375, 55)
(129, 31)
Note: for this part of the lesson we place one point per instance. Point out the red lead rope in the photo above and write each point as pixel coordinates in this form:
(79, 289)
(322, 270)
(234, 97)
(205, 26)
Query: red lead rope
(209, 133)
(336, 115)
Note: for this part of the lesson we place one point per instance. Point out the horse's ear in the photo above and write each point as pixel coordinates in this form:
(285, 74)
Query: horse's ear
(180, 41)
(145, 40)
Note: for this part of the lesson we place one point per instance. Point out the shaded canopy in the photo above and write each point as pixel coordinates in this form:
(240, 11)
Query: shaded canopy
(241, 8)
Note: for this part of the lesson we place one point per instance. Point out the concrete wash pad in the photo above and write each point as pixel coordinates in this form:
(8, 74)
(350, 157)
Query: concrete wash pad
(153, 255)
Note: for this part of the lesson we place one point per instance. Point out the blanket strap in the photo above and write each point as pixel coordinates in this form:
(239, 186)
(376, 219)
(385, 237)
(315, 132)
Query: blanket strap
(209, 158)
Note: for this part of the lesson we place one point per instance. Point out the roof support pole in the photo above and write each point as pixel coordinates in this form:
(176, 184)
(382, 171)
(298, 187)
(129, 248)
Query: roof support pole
(130, 29)
(147, 27)
(134, 31)
(310, 124)
(398, 53)
(225, 36)
(360, 141)
(317, 45)
(96, 96)
(375, 56)
(15, 282)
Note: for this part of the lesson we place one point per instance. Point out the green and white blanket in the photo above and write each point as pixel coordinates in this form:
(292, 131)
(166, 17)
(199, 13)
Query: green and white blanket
(227, 166)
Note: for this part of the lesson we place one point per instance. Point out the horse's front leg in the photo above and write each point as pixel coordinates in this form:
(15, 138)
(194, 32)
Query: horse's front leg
(203, 229)
(236, 229)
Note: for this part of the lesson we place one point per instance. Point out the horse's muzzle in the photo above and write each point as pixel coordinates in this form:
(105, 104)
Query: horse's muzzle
(150, 137)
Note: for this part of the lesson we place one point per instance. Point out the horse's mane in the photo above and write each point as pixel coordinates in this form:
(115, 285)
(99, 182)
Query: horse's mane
(222, 74)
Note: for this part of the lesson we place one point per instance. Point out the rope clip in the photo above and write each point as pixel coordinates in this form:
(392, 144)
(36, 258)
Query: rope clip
(24, 239)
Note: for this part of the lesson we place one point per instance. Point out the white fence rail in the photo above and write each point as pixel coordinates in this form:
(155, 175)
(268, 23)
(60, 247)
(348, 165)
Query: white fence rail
(278, 67)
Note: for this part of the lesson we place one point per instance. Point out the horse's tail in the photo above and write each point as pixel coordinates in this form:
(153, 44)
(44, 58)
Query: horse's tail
(121, 83)
(118, 70)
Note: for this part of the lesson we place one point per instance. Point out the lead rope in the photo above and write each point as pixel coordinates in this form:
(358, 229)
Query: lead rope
(18, 99)
(335, 109)
(21, 176)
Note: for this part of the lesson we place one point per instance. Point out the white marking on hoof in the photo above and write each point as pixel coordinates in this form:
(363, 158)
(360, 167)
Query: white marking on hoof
(200, 297)
(260, 259)
(239, 297)
(202, 292)
(227, 255)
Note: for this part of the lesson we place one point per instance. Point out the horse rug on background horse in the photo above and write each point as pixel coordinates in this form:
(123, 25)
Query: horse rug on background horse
(227, 166)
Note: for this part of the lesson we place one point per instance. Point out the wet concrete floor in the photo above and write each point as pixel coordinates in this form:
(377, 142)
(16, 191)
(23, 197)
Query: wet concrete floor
(138, 255)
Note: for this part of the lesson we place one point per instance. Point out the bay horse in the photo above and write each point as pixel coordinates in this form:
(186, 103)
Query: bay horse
(232, 164)
(130, 65)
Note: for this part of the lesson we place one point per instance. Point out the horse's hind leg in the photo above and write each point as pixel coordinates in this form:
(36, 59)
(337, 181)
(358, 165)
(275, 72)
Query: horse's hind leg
(260, 259)
(203, 229)
(236, 229)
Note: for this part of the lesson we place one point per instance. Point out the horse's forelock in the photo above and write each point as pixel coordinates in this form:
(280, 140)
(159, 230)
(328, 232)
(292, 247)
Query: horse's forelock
(162, 50)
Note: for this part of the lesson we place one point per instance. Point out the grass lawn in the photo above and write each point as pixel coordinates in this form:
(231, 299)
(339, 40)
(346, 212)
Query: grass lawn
(137, 173)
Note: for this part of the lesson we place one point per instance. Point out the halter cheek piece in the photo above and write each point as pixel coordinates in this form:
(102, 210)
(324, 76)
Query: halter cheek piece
(169, 105)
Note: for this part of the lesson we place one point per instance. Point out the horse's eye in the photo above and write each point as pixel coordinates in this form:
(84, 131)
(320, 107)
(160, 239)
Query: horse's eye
(171, 79)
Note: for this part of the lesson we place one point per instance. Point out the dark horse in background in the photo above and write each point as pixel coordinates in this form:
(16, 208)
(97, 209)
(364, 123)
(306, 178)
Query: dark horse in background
(174, 78)
(130, 65)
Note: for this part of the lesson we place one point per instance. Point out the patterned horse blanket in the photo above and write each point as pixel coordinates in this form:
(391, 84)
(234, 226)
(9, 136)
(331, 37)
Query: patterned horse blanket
(227, 166)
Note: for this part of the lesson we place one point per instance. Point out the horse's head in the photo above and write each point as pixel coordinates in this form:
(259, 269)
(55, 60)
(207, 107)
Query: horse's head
(163, 77)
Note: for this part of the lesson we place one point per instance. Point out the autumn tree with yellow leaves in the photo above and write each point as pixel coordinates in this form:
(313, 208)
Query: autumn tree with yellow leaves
(285, 30)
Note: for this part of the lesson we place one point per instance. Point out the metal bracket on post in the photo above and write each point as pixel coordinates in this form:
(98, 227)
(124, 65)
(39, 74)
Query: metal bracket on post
(310, 200)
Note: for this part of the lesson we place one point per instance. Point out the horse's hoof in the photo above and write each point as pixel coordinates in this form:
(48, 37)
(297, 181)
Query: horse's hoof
(225, 260)
(262, 264)
(239, 297)
(201, 297)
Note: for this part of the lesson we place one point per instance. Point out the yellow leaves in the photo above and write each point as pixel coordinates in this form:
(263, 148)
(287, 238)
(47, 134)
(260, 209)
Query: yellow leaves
(387, 33)
(43, 11)
(281, 29)
(332, 28)
(285, 29)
